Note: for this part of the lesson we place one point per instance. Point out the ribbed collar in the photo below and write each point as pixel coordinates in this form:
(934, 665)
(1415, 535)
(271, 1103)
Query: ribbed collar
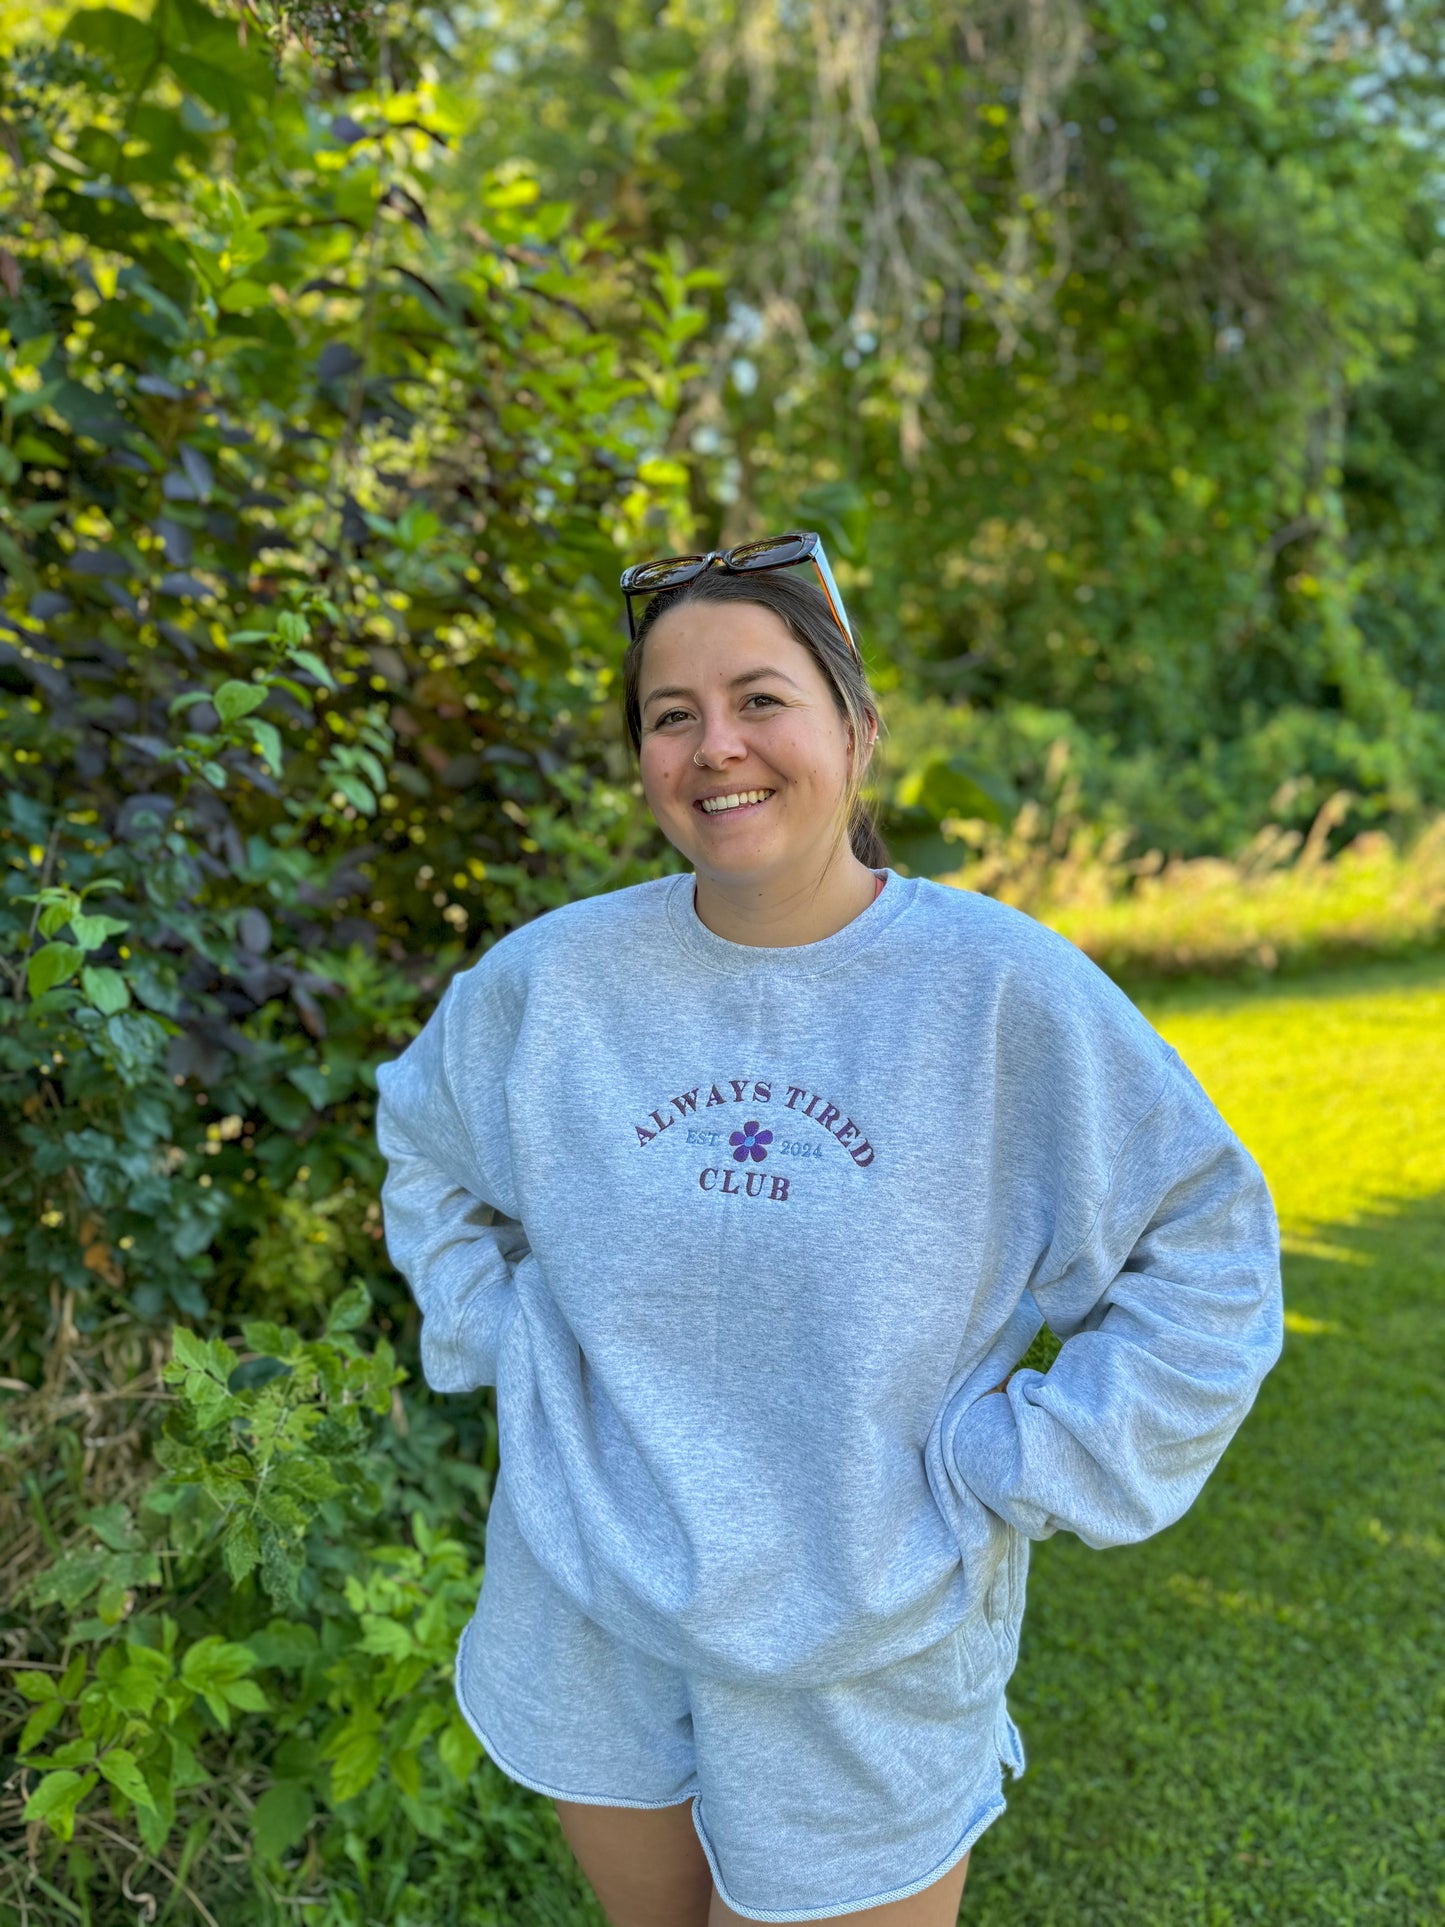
(790, 960)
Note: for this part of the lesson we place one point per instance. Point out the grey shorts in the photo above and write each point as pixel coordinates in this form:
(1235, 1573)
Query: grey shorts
(808, 1802)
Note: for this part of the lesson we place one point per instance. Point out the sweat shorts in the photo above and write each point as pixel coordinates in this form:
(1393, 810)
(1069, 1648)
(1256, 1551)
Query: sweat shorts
(808, 1801)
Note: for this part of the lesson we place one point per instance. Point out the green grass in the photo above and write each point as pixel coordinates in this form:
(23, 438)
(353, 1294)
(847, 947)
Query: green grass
(1237, 917)
(1243, 1719)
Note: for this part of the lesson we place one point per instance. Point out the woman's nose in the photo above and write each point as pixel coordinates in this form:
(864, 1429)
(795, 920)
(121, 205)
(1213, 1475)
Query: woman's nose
(721, 742)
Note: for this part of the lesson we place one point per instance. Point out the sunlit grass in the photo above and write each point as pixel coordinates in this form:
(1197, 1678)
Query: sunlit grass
(1209, 914)
(1337, 1086)
(1283, 902)
(1243, 1719)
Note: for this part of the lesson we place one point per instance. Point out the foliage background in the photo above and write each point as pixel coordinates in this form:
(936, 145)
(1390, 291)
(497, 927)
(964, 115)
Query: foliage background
(345, 359)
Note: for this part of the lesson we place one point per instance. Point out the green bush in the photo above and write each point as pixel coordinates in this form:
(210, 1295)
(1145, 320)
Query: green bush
(318, 447)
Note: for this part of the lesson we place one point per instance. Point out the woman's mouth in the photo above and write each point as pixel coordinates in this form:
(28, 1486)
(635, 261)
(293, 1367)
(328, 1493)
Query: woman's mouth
(736, 803)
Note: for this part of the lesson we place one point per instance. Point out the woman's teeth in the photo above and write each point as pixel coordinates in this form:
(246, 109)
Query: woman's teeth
(715, 804)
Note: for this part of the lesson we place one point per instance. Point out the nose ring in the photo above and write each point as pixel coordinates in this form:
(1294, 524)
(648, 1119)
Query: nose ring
(694, 758)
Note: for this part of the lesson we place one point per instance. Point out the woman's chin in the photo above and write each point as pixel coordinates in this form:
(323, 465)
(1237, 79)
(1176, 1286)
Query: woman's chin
(734, 867)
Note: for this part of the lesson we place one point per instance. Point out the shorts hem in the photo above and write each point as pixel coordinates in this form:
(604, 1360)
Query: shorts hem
(542, 1786)
(830, 1908)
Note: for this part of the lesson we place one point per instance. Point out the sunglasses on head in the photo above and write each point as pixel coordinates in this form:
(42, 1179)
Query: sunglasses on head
(748, 558)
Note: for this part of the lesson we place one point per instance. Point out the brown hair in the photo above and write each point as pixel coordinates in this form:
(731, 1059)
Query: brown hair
(803, 607)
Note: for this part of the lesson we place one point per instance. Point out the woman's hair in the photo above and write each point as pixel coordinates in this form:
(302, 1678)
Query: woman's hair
(803, 607)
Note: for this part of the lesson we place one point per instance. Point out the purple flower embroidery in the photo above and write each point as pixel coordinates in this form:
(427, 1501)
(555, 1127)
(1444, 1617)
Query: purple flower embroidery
(748, 1143)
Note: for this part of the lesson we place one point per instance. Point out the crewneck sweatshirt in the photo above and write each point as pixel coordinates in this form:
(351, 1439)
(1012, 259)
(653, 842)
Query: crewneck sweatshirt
(745, 1237)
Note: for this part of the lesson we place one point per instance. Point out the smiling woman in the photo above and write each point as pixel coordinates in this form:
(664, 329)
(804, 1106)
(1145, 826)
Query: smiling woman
(749, 1188)
(754, 726)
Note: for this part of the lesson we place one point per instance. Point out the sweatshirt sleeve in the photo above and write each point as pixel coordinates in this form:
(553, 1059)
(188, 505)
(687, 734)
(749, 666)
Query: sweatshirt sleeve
(1171, 1312)
(445, 1231)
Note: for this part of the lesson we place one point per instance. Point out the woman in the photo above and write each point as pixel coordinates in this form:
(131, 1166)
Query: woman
(747, 1187)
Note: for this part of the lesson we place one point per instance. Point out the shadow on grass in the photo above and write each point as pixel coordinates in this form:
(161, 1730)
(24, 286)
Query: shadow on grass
(1358, 977)
(1240, 1720)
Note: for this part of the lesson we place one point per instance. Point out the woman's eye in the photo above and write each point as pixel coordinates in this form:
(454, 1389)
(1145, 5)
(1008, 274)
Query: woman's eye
(669, 715)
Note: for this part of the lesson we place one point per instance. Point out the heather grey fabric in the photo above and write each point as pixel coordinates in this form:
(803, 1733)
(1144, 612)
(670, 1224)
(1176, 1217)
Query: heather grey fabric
(809, 1802)
(744, 1236)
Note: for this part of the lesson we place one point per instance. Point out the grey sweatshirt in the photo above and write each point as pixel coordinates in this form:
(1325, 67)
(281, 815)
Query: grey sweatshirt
(744, 1236)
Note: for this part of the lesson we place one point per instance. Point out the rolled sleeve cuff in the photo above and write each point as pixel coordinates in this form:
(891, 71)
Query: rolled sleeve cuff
(985, 1454)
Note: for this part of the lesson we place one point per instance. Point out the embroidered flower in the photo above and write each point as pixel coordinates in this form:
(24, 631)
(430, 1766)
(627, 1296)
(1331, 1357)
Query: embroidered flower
(749, 1141)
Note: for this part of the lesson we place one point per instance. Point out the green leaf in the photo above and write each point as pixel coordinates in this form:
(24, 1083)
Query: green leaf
(70, 1580)
(128, 46)
(55, 1799)
(246, 1694)
(28, 401)
(241, 296)
(252, 1373)
(351, 1310)
(106, 989)
(39, 1724)
(34, 1686)
(307, 1078)
(110, 1601)
(235, 699)
(141, 1682)
(120, 1768)
(229, 80)
(284, 1643)
(54, 916)
(386, 1637)
(220, 1711)
(268, 741)
(240, 1548)
(113, 1526)
(35, 352)
(51, 965)
(280, 1818)
(210, 1402)
(188, 1350)
(186, 1769)
(308, 659)
(371, 767)
(355, 1755)
(264, 1336)
(215, 1661)
(154, 1823)
(91, 932)
(459, 1750)
(355, 791)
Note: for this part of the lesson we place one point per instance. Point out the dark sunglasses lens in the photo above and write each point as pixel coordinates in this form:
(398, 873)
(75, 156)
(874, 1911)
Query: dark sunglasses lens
(776, 552)
(659, 575)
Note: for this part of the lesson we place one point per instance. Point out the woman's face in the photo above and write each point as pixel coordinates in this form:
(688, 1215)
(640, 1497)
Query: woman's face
(727, 684)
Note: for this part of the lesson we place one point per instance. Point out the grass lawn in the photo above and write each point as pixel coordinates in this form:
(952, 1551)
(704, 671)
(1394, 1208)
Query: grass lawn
(1244, 1718)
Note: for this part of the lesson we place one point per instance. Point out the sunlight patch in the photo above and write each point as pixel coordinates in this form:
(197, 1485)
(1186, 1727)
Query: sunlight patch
(1429, 1543)
(1298, 1245)
(1307, 1327)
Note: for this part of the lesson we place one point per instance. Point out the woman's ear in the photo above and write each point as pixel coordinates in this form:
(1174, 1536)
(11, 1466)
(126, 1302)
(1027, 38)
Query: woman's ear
(872, 739)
